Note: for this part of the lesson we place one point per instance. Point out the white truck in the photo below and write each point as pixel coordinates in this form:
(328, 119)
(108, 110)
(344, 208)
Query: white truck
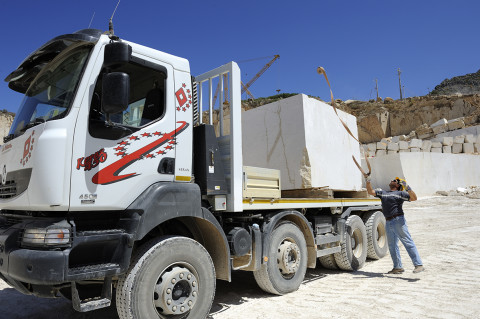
(112, 187)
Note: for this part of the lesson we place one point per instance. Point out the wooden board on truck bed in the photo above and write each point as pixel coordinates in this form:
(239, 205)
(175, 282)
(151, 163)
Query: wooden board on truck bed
(322, 192)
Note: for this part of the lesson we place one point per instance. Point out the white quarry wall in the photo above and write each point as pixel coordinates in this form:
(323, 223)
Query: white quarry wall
(426, 172)
(305, 140)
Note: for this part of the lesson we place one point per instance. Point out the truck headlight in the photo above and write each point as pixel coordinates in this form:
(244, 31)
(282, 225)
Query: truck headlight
(46, 237)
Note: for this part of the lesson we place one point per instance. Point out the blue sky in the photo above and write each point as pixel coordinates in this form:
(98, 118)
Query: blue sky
(355, 41)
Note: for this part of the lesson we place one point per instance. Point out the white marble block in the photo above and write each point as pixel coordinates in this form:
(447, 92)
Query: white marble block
(436, 150)
(392, 147)
(372, 147)
(404, 151)
(391, 152)
(476, 147)
(470, 138)
(447, 141)
(403, 145)
(457, 148)
(459, 139)
(381, 152)
(381, 146)
(447, 149)
(305, 140)
(414, 149)
(415, 143)
(437, 145)
(426, 146)
(468, 148)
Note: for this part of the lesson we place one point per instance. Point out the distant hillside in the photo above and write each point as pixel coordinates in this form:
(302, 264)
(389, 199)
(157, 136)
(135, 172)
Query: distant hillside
(465, 84)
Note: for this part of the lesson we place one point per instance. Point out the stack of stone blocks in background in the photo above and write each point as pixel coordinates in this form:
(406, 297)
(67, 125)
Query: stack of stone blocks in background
(467, 144)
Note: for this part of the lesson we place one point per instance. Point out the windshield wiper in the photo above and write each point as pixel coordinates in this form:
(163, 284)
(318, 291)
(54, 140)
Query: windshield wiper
(35, 122)
(7, 138)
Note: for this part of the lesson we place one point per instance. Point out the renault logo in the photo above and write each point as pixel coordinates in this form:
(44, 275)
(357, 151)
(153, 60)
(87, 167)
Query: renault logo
(4, 174)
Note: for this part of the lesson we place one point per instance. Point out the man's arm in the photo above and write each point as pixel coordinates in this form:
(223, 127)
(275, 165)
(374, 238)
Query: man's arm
(413, 196)
(369, 186)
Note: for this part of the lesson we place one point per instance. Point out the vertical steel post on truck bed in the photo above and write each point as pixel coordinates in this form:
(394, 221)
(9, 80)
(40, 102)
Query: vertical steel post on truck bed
(230, 144)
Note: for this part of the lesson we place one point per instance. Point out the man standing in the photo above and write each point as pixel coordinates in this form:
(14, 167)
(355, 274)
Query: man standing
(396, 227)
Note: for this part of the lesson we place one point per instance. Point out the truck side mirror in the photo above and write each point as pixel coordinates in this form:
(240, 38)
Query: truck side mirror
(116, 54)
(115, 92)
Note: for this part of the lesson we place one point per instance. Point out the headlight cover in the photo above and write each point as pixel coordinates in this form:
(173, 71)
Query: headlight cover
(47, 237)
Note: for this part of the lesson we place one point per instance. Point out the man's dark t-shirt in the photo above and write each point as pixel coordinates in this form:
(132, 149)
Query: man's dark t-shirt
(392, 201)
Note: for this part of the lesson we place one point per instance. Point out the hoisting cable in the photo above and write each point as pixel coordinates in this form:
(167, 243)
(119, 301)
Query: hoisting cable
(321, 71)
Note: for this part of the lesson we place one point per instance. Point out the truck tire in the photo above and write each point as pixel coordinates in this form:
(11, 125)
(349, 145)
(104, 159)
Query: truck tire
(354, 248)
(375, 224)
(328, 262)
(287, 261)
(169, 277)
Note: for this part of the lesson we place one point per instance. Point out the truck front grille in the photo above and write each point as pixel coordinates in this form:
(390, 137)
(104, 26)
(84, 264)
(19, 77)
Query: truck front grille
(8, 190)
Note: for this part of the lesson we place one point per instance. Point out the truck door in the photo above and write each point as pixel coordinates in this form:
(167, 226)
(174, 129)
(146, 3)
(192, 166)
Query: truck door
(117, 158)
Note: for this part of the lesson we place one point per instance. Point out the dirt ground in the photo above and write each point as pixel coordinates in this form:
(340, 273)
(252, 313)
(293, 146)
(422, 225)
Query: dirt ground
(445, 229)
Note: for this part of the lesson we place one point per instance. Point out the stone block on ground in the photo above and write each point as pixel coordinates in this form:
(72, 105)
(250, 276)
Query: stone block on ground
(447, 149)
(459, 139)
(424, 131)
(391, 152)
(381, 152)
(404, 151)
(436, 150)
(470, 138)
(426, 146)
(403, 145)
(386, 140)
(440, 129)
(381, 146)
(415, 143)
(476, 147)
(372, 147)
(457, 148)
(456, 124)
(414, 149)
(437, 145)
(439, 123)
(468, 148)
(447, 141)
(393, 147)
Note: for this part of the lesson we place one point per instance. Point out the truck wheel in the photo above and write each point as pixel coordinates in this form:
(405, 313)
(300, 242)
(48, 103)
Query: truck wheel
(287, 261)
(170, 277)
(354, 248)
(376, 234)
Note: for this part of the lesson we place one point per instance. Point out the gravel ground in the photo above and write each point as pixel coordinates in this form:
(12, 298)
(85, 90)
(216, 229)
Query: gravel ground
(445, 229)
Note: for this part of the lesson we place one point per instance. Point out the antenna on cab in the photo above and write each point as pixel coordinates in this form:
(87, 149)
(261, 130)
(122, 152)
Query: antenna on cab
(91, 20)
(110, 25)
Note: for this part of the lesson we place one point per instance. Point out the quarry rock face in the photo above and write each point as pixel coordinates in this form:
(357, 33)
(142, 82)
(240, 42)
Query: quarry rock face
(305, 140)
(6, 120)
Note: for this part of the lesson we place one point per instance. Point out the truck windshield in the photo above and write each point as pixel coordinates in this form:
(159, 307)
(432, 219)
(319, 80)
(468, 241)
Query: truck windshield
(51, 93)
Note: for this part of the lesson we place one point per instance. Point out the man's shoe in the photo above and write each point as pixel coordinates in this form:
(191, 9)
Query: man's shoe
(396, 271)
(418, 269)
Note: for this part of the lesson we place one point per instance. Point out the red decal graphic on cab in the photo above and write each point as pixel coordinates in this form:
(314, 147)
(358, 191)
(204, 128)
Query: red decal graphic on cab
(111, 173)
(184, 101)
(27, 149)
(92, 161)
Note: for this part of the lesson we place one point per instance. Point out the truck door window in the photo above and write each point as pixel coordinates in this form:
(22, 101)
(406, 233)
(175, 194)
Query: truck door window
(146, 104)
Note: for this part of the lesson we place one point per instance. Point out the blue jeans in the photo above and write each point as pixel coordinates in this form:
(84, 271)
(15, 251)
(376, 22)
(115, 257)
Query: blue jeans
(397, 229)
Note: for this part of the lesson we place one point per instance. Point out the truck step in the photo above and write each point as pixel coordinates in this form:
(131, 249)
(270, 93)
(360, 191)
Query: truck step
(328, 251)
(93, 303)
(93, 269)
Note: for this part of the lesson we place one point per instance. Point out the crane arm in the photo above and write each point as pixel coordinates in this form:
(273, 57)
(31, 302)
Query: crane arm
(269, 64)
